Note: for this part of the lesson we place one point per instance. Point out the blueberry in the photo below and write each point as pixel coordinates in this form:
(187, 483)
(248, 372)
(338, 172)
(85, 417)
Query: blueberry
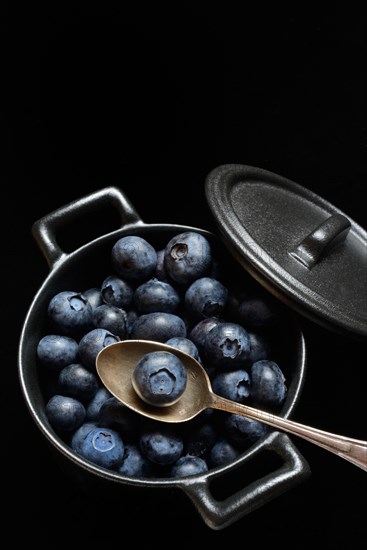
(243, 431)
(161, 272)
(65, 413)
(222, 452)
(131, 317)
(188, 466)
(161, 444)
(227, 345)
(200, 331)
(114, 414)
(256, 312)
(159, 378)
(77, 381)
(187, 257)
(134, 463)
(184, 344)
(94, 296)
(155, 295)
(92, 343)
(200, 438)
(259, 347)
(57, 351)
(104, 447)
(134, 258)
(232, 384)
(95, 403)
(80, 434)
(206, 297)
(159, 326)
(268, 384)
(117, 292)
(111, 318)
(70, 312)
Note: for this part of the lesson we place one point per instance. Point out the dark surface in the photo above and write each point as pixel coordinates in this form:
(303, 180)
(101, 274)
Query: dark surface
(152, 105)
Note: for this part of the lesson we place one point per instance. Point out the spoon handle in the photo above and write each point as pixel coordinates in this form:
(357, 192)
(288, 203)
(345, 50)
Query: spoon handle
(353, 450)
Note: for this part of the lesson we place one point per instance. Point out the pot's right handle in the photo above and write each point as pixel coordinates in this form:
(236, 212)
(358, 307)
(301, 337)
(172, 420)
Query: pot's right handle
(45, 229)
(218, 514)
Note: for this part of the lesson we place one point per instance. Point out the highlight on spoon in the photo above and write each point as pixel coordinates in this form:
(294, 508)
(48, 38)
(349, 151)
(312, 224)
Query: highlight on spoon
(115, 366)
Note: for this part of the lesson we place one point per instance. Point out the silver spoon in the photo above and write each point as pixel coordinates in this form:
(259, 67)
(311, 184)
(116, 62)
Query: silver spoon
(115, 365)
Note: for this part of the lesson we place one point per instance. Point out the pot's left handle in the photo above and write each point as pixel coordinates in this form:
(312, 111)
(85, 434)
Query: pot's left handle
(45, 229)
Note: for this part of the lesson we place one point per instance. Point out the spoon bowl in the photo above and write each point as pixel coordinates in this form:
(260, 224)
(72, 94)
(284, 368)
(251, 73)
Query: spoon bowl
(115, 365)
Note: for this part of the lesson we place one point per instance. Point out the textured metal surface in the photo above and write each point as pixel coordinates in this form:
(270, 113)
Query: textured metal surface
(89, 263)
(296, 244)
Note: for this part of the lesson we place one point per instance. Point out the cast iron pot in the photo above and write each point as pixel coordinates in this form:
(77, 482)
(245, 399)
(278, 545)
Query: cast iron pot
(220, 495)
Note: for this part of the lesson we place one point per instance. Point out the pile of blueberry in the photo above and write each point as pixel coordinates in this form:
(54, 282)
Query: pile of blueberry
(178, 295)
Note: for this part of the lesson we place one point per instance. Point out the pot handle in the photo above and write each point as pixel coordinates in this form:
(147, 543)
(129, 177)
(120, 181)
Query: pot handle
(218, 514)
(44, 230)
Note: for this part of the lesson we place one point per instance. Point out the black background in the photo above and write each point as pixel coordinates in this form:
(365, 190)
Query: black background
(151, 100)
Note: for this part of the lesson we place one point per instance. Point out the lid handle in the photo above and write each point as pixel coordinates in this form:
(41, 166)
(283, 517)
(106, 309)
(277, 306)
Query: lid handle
(324, 238)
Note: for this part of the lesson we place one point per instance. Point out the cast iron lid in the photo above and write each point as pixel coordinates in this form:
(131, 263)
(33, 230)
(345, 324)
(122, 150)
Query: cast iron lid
(299, 246)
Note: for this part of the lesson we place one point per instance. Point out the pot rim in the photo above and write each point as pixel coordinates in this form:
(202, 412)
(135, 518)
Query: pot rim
(216, 514)
(48, 430)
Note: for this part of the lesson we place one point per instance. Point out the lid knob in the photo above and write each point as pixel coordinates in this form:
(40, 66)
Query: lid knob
(299, 246)
(322, 240)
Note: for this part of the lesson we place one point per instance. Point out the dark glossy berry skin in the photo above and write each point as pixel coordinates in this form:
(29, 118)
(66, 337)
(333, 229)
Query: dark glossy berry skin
(232, 384)
(159, 326)
(114, 414)
(111, 318)
(161, 272)
(57, 351)
(92, 343)
(70, 312)
(134, 463)
(77, 381)
(256, 312)
(117, 292)
(222, 452)
(94, 296)
(95, 403)
(65, 413)
(200, 331)
(268, 384)
(243, 431)
(155, 295)
(134, 258)
(206, 297)
(184, 344)
(259, 347)
(159, 378)
(227, 345)
(162, 444)
(131, 317)
(187, 257)
(80, 434)
(188, 466)
(199, 439)
(104, 447)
